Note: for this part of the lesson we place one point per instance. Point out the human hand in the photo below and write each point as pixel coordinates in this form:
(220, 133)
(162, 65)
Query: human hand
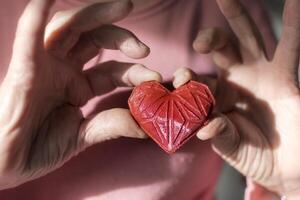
(256, 124)
(41, 123)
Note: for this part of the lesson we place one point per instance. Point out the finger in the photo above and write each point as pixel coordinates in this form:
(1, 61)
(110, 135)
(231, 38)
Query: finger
(30, 30)
(241, 143)
(216, 125)
(108, 37)
(221, 130)
(217, 42)
(109, 125)
(78, 90)
(107, 76)
(66, 27)
(288, 49)
(250, 40)
(210, 39)
(182, 76)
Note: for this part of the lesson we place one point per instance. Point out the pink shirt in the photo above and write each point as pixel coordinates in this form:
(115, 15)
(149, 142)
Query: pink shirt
(130, 169)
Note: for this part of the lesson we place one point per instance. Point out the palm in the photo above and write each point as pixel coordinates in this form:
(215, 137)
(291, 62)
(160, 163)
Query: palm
(42, 125)
(266, 138)
(259, 97)
(56, 92)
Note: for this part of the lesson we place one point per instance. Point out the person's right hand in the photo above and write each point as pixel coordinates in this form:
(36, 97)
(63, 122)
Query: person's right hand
(41, 123)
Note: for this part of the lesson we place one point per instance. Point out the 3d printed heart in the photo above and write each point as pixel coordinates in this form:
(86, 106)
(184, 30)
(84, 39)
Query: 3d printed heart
(171, 118)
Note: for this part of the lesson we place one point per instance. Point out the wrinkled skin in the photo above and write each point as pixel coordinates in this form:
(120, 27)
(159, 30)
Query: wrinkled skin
(41, 123)
(256, 124)
(255, 127)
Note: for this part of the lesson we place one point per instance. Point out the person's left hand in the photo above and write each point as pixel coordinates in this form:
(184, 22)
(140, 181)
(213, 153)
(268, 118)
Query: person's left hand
(255, 126)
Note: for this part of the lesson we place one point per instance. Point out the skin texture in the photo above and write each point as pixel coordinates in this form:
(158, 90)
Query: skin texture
(138, 4)
(42, 127)
(41, 123)
(256, 124)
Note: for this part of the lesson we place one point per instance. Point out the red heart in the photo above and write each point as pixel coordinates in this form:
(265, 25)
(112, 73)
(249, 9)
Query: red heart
(171, 118)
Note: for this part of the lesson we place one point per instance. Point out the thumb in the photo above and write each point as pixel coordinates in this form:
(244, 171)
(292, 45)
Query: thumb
(107, 125)
(225, 138)
(240, 143)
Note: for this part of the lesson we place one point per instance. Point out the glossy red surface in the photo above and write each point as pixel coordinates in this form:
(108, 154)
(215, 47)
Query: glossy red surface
(171, 118)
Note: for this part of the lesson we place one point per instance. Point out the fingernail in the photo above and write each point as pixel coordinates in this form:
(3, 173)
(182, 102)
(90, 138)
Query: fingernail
(153, 76)
(145, 48)
(181, 78)
(203, 43)
(199, 135)
(134, 48)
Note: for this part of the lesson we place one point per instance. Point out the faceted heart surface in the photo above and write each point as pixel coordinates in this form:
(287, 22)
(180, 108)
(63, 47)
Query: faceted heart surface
(171, 118)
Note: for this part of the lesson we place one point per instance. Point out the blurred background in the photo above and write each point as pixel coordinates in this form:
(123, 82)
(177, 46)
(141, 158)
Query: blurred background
(231, 184)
